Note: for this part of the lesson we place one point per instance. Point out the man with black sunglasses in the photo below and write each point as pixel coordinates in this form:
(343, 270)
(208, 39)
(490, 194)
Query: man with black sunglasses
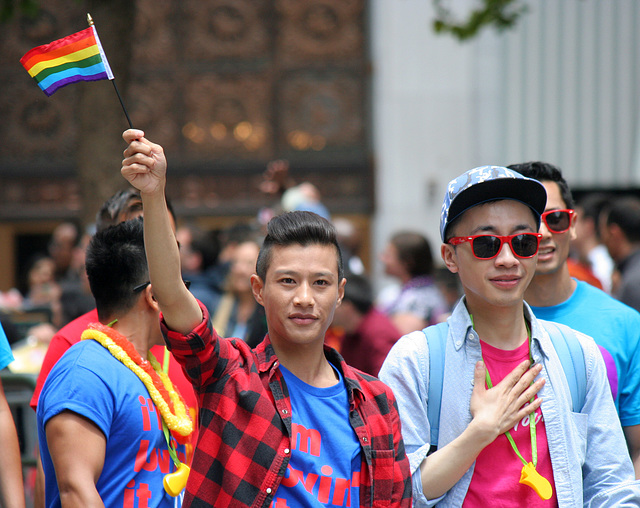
(555, 296)
(487, 399)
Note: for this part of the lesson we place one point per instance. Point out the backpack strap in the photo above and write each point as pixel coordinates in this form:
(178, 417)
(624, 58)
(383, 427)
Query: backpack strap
(564, 341)
(571, 356)
(436, 340)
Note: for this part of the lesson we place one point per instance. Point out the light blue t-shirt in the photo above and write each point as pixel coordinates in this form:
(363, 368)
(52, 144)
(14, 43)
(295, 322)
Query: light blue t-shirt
(89, 381)
(614, 326)
(6, 357)
(324, 469)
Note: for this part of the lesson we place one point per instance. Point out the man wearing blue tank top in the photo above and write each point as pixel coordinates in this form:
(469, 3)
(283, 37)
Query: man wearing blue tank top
(555, 296)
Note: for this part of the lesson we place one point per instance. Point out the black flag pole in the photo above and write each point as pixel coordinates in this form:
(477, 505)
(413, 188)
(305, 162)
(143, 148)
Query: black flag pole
(109, 72)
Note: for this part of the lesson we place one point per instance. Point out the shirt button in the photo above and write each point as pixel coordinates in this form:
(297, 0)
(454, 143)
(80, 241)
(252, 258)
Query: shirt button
(286, 451)
(285, 411)
(275, 364)
(364, 439)
(269, 490)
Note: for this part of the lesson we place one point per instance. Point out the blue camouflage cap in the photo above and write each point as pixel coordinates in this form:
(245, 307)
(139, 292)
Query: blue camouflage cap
(489, 183)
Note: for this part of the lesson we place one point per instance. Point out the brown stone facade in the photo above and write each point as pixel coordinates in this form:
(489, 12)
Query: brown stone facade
(224, 85)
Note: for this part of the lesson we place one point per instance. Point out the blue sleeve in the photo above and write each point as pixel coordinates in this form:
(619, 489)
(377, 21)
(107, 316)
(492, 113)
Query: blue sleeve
(66, 390)
(629, 380)
(6, 357)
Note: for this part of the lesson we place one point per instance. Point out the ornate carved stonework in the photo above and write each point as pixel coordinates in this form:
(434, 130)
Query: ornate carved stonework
(227, 29)
(228, 115)
(224, 85)
(32, 127)
(326, 32)
(155, 45)
(320, 111)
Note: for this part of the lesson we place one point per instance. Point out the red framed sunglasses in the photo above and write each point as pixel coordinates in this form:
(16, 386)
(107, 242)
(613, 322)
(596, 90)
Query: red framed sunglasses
(558, 221)
(523, 245)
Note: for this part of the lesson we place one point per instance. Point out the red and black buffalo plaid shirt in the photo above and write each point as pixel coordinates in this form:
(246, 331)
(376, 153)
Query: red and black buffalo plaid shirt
(245, 424)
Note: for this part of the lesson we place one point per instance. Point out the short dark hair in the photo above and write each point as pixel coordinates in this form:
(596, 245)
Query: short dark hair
(127, 201)
(297, 228)
(414, 251)
(545, 172)
(358, 291)
(592, 205)
(625, 213)
(116, 263)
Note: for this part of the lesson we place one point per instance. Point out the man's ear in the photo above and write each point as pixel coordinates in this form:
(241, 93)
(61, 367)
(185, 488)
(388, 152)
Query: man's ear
(149, 299)
(341, 290)
(257, 285)
(449, 256)
(572, 227)
(616, 233)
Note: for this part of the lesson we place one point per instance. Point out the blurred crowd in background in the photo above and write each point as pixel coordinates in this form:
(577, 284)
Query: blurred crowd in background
(416, 291)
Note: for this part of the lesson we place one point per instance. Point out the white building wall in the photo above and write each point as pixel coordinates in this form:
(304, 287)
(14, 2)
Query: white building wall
(560, 87)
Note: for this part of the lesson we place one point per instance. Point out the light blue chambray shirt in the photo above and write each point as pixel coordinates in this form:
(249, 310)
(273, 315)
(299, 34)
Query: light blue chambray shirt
(591, 464)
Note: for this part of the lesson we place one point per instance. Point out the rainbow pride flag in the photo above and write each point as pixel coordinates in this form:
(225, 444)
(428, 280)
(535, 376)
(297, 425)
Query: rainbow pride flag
(77, 57)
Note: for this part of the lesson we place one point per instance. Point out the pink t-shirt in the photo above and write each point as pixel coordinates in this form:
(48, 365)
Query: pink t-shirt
(496, 477)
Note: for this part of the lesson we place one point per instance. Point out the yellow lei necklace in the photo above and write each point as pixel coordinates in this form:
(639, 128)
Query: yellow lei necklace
(166, 398)
(164, 395)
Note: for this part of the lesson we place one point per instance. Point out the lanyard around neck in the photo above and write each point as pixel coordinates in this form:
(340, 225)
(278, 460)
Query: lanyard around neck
(529, 476)
(532, 415)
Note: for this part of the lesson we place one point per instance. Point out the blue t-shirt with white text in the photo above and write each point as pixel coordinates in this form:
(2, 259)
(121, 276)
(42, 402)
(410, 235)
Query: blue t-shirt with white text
(325, 464)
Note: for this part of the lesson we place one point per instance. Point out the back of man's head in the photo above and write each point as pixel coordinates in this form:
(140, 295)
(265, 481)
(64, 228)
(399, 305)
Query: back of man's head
(414, 251)
(545, 172)
(116, 263)
(625, 213)
(358, 291)
(123, 205)
(591, 205)
(297, 228)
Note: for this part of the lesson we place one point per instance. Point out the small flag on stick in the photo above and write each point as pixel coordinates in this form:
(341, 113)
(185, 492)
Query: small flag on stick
(77, 57)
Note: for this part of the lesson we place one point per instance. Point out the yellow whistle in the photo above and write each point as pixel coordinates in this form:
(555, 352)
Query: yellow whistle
(175, 482)
(533, 479)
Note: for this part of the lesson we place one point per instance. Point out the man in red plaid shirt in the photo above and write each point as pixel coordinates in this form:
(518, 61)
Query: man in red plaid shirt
(289, 423)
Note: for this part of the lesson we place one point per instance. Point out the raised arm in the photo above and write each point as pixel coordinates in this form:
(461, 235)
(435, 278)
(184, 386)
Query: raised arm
(145, 167)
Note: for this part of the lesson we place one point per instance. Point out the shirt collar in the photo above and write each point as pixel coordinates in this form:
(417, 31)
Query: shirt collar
(267, 361)
(266, 355)
(462, 327)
